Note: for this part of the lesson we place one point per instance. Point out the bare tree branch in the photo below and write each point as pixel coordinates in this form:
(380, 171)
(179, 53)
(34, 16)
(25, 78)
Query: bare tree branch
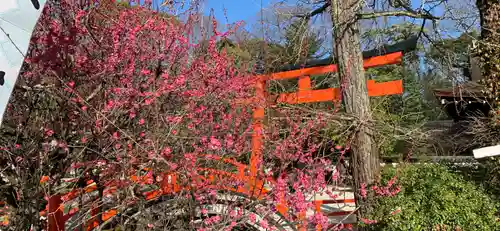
(408, 12)
(408, 8)
(397, 13)
(315, 12)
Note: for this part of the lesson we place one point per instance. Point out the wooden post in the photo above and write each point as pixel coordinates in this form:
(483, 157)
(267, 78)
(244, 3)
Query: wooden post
(258, 117)
(55, 214)
(302, 226)
(317, 209)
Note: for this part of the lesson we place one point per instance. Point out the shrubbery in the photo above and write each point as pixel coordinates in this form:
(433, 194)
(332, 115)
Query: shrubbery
(432, 197)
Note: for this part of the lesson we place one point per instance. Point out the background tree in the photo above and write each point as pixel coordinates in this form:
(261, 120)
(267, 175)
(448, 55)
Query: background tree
(345, 16)
(301, 43)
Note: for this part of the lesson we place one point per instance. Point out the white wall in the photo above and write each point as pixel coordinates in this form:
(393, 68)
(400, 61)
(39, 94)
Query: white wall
(17, 20)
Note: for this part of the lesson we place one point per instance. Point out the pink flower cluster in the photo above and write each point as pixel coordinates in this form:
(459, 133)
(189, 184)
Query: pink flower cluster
(136, 92)
(389, 190)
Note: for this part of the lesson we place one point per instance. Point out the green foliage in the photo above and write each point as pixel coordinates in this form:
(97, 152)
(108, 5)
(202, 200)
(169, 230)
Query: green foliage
(246, 52)
(491, 180)
(373, 37)
(398, 116)
(431, 195)
(297, 46)
(455, 48)
(117, 5)
(399, 3)
(300, 44)
(397, 112)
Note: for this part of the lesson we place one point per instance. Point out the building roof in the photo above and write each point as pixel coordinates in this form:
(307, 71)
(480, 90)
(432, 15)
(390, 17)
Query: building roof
(470, 89)
(404, 46)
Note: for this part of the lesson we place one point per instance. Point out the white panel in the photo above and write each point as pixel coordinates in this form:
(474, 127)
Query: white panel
(490, 151)
(17, 20)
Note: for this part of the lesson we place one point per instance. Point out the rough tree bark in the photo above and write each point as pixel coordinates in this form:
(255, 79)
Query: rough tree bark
(346, 37)
(489, 51)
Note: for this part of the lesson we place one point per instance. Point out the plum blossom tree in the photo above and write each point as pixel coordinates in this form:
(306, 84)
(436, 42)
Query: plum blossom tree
(108, 90)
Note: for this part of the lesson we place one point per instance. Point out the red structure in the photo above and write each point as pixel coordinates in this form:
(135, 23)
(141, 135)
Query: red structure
(248, 174)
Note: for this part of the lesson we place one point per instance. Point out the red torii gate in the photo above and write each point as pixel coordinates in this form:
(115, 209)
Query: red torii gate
(253, 181)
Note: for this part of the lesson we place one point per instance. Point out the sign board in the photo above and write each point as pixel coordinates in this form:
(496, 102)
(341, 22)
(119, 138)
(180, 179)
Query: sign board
(491, 151)
(17, 21)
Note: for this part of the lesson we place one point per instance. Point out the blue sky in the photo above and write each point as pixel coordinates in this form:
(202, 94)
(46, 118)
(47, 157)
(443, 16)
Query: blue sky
(17, 18)
(236, 9)
(248, 11)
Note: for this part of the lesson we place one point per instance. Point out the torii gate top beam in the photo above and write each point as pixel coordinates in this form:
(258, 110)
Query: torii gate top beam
(387, 55)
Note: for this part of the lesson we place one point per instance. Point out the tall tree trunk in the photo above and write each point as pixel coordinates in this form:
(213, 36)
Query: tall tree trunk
(346, 37)
(489, 52)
